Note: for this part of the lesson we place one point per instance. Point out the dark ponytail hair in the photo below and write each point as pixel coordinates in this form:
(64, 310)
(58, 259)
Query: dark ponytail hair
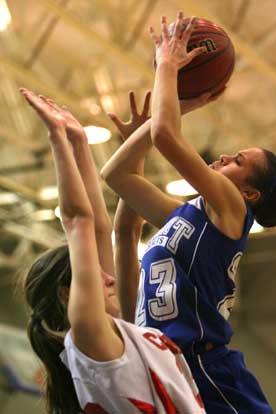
(264, 180)
(48, 324)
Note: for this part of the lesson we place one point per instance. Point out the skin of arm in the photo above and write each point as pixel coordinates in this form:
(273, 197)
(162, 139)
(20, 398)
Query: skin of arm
(127, 224)
(90, 178)
(127, 227)
(121, 173)
(92, 329)
(219, 192)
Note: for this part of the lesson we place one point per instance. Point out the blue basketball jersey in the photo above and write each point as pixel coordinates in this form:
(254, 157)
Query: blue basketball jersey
(187, 282)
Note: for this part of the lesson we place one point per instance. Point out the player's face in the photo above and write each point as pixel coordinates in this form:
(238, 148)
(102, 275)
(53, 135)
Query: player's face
(110, 295)
(240, 166)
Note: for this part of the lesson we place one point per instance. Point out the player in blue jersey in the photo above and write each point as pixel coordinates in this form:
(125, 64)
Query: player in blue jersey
(187, 282)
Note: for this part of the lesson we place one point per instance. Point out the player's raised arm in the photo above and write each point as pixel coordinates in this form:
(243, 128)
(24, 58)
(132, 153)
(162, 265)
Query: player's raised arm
(123, 171)
(87, 168)
(92, 329)
(128, 228)
(217, 190)
(127, 224)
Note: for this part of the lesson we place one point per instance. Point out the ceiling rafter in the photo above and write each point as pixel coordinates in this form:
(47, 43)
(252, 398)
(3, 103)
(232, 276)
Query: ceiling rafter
(29, 79)
(27, 193)
(111, 48)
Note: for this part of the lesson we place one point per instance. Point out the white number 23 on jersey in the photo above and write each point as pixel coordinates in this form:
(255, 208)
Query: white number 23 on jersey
(164, 305)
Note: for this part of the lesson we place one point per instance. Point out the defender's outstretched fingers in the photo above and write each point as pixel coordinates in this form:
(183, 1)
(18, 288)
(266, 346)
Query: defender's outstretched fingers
(157, 39)
(146, 107)
(132, 104)
(164, 29)
(49, 102)
(177, 32)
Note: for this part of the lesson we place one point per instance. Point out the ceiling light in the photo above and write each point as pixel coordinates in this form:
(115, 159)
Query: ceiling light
(5, 16)
(97, 135)
(141, 246)
(7, 198)
(43, 215)
(180, 188)
(49, 193)
(256, 228)
(57, 212)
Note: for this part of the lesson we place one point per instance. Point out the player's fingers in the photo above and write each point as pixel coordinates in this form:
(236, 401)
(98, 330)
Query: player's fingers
(186, 34)
(146, 106)
(116, 121)
(31, 97)
(164, 29)
(156, 39)
(49, 102)
(177, 32)
(196, 52)
(132, 103)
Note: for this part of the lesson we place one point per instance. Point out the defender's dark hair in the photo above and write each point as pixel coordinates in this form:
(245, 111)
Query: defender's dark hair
(264, 180)
(49, 317)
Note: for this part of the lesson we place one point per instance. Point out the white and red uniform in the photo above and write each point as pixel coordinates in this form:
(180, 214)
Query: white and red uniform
(151, 377)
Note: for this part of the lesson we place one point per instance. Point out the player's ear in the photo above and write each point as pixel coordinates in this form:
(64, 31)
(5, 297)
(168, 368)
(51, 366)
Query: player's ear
(251, 195)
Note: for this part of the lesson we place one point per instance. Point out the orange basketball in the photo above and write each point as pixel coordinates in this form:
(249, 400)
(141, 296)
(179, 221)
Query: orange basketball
(210, 71)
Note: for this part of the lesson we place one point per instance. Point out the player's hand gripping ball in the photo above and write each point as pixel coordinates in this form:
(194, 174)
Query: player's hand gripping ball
(211, 70)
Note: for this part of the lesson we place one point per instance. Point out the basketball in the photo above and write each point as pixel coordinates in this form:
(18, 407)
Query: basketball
(210, 71)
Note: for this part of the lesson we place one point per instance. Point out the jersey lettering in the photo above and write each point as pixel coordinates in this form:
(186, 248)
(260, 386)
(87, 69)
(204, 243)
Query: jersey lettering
(225, 306)
(140, 317)
(182, 228)
(164, 306)
(232, 269)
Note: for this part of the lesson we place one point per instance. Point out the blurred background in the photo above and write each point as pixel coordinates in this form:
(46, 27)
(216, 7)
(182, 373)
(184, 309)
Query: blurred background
(88, 55)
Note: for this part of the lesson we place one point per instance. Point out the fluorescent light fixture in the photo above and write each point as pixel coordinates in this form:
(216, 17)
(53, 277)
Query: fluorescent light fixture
(7, 198)
(44, 215)
(180, 188)
(57, 212)
(97, 135)
(256, 228)
(141, 246)
(5, 16)
(49, 193)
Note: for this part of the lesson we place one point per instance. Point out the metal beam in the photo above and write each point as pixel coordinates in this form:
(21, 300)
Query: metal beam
(27, 193)
(28, 78)
(110, 48)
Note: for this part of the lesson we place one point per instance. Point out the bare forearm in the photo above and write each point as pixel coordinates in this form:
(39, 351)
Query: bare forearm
(129, 157)
(127, 270)
(166, 114)
(90, 178)
(72, 197)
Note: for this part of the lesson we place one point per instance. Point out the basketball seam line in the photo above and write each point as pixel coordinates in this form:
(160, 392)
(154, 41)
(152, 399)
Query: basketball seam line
(211, 87)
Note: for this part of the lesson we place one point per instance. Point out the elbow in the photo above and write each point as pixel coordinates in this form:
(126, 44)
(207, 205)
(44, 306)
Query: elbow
(108, 175)
(160, 134)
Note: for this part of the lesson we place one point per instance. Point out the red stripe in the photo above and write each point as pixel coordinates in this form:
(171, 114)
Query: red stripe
(92, 408)
(168, 405)
(144, 407)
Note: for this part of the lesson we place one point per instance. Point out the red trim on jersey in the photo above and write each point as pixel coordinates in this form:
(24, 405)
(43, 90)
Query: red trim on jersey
(92, 408)
(199, 401)
(171, 345)
(168, 405)
(144, 407)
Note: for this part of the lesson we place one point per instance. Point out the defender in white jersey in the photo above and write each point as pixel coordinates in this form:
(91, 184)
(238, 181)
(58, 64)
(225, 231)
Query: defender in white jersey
(150, 377)
(109, 366)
